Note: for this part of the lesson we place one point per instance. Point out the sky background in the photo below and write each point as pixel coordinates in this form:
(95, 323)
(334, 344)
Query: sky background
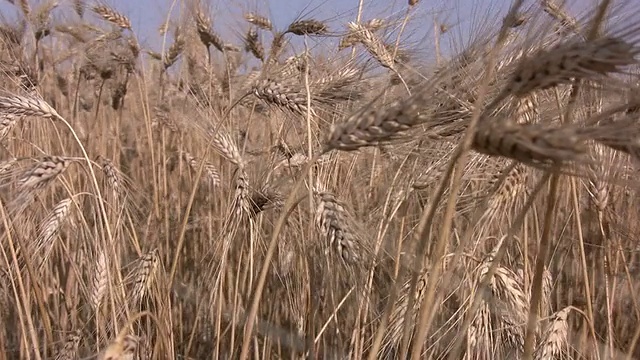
(464, 17)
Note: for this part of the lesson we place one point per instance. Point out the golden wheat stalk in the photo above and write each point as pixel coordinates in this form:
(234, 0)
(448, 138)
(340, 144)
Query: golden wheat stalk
(331, 220)
(373, 44)
(144, 274)
(211, 174)
(99, 280)
(260, 21)
(49, 228)
(112, 16)
(307, 27)
(26, 106)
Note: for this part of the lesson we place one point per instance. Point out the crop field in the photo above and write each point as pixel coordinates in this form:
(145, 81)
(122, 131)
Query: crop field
(330, 189)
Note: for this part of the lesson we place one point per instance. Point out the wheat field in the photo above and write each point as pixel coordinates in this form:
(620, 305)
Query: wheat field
(240, 197)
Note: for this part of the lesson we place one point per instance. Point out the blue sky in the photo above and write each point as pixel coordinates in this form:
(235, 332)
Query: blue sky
(147, 15)
(463, 16)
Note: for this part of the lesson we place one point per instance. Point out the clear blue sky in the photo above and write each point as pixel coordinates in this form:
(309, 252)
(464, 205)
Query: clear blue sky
(464, 16)
(147, 15)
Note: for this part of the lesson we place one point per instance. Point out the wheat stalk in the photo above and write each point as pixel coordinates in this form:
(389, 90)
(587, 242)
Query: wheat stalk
(531, 143)
(112, 16)
(144, 274)
(260, 21)
(100, 280)
(331, 220)
(569, 61)
(26, 106)
(307, 27)
(373, 44)
(223, 142)
(279, 94)
(210, 171)
(207, 36)
(49, 227)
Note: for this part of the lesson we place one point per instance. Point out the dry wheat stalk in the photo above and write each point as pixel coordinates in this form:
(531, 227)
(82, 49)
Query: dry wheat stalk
(554, 342)
(113, 176)
(69, 350)
(49, 227)
(372, 127)
(307, 27)
(42, 173)
(507, 192)
(212, 175)
(7, 165)
(144, 274)
(479, 336)
(241, 201)
(112, 16)
(223, 142)
(207, 36)
(531, 143)
(161, 117)
(506, 303)
(99, 280)
(340, 86)
(175, 50)
(569, 61)
(253, 44)
(283, 95)
(555, 11)
(260, 21)
(352, 38)
(332, 220)
(393, 336)
(26, 106)
(373, 44)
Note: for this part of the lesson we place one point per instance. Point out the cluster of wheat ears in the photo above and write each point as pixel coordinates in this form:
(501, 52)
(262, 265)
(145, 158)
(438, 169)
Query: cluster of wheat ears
(319, 191)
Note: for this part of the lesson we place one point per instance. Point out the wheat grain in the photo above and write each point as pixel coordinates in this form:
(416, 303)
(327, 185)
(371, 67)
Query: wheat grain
(260, 21)
(45, 170)
(212, 175)
(26, 106)
(207, 36)
(569, 61)
(144, 274)
(223, 142)
(253, 44)
(100, 280)
(531, 143)
(112, 16)
(285, 96)
(49, 228)
(78, 7)
(373, 44)
(331, 219)
(307, 27)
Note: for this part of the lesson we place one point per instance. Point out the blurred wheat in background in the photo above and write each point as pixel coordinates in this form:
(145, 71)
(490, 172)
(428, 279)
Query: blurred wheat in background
(322, 190)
